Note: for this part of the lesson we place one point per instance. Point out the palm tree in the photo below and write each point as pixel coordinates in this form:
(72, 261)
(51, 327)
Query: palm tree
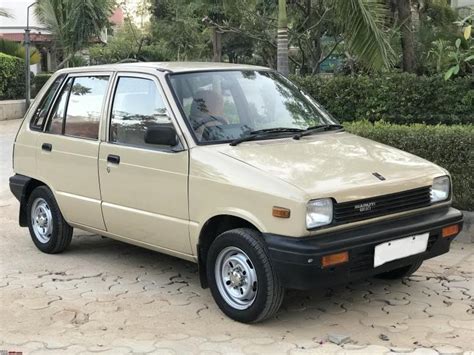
(365, 32)
(282, 39)
(73, 23)
(362, 24)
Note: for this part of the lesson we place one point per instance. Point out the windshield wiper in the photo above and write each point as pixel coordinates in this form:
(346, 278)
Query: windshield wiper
(315, 129)
(265, 132)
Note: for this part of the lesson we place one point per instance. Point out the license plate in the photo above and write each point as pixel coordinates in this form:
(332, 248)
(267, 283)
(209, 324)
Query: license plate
(400, 248)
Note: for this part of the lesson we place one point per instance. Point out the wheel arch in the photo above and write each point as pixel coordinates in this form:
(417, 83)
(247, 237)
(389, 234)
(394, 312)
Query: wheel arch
(211, 229)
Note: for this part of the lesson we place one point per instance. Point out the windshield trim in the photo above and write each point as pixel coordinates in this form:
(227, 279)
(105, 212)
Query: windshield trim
(168, 76)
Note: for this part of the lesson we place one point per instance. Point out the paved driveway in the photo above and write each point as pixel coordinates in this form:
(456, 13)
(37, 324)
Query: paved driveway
(106, 296)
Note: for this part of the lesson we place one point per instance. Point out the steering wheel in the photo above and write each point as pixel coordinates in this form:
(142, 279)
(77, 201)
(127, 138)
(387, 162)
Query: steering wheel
(209, 119)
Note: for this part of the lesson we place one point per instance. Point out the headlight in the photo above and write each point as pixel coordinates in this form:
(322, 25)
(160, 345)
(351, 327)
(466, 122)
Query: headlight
(318, 213)
(440, 189)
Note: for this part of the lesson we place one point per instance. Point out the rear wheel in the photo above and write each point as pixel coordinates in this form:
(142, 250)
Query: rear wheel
(241, 277)
(401, 272)
(48, 229)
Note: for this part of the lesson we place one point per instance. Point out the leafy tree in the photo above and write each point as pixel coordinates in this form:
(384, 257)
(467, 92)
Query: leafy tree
(73, 23)
(177, 28)
(129, 43)
(361, 24)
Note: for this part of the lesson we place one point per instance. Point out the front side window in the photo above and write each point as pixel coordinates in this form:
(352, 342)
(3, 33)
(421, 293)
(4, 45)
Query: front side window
(137, 109)
(222, 106)
(39, 118)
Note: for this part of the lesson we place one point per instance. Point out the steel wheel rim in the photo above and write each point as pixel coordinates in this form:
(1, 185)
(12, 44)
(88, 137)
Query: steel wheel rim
(236, 278)
(42, 220)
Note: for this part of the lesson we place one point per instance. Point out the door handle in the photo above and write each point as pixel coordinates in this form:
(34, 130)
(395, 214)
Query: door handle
(47, 147)
(113, 159)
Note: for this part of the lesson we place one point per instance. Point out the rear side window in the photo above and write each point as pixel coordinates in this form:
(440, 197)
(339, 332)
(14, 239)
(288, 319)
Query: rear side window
(78, 109)
(137, 107)
(39, 118)
(84, 107)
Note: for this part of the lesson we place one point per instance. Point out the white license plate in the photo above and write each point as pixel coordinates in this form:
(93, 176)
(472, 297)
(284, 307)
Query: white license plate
(400, 248)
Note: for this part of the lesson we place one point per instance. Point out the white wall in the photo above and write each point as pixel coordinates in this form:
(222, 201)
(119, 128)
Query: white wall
(17, 8)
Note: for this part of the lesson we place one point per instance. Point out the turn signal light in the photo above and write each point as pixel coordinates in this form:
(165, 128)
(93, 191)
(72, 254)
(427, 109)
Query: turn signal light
(450, 231)
(334, 259)
(280, 212)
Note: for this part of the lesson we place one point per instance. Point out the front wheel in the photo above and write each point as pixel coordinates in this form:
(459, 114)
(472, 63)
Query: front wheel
(241, 277)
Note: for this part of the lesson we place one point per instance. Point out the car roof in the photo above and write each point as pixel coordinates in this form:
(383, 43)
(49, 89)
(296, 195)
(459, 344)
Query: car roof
(174, 67)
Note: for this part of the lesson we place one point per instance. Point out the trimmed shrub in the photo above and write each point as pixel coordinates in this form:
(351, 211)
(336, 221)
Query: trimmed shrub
(399, 98)
(39, 81)
(12, 77)
(451, 147)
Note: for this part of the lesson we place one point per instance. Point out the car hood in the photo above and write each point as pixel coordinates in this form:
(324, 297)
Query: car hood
(338, 165)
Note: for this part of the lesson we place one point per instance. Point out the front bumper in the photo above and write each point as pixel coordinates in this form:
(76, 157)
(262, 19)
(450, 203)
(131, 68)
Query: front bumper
(298, 260)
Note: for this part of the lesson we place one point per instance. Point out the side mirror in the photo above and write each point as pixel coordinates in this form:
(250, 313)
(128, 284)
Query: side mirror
(161, 135)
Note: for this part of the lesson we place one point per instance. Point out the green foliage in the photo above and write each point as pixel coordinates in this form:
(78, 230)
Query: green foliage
(12, 77)
(128, 43)
(397, 98)
(73, 23)
(462, 56)
(16, 49)
(38, 82)
(364, 27)
(179, 31)
(451, 147)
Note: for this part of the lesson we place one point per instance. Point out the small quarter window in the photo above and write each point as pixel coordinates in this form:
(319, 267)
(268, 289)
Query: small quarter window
(137, 107)
(39, 118)
(56, 121)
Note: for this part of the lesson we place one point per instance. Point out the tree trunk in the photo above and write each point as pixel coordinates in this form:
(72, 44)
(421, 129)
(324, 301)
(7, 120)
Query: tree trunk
(407, 35)
(216, 44)
(282, 39)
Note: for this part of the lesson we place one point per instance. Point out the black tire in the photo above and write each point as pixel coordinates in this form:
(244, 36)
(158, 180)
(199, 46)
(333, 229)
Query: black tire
(268, 288)
(401, 272)
(61, 234)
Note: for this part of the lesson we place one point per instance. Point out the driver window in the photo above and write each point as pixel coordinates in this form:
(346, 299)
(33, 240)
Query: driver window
(137, 107)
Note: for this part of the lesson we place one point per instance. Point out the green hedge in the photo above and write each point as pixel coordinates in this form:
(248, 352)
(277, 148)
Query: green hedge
(39, 81)
(399, 98)
(451, 147)
(12, 77)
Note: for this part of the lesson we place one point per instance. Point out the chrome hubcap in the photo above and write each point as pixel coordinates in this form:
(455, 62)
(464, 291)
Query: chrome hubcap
(42, 220)
(236, 278)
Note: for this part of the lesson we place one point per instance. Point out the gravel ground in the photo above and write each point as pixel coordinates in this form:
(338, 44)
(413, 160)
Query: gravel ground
(108, 297)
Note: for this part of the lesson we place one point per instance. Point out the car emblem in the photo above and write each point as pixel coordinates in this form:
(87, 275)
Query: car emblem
(366, 206)
(378, 176)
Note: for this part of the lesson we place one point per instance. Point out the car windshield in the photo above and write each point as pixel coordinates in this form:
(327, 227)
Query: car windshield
(223, 106)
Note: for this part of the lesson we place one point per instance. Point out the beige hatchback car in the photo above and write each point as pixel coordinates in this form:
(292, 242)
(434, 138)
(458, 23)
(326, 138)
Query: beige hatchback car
(229, 166)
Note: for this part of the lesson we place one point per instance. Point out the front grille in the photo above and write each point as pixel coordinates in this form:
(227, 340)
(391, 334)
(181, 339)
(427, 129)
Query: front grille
(352, 211)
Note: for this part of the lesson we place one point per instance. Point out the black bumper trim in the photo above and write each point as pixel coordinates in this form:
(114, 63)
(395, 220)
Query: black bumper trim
(298, 260)
(18, 185)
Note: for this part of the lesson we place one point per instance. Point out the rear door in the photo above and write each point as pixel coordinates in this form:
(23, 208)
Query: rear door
(68, 148)
(144, 186)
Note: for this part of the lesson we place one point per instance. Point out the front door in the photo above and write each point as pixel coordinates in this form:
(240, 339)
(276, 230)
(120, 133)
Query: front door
(143, 186)
(68, 148)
